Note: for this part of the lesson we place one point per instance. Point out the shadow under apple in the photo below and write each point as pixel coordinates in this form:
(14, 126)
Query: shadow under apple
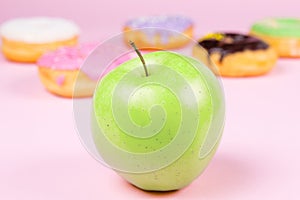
(222, 178)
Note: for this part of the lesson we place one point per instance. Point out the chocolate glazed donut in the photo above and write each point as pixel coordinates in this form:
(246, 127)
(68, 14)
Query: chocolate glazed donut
(235, 55)
(229, 43)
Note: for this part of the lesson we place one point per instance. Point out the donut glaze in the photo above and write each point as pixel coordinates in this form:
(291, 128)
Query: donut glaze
(66, 58)
(39, 30)
(278, 27)
(230, 43)
(177, 23)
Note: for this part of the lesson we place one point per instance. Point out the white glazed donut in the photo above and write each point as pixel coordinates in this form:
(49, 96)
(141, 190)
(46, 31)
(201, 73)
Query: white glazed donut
(26, 39)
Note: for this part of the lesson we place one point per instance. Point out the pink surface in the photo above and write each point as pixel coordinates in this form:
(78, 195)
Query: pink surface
(41, 155)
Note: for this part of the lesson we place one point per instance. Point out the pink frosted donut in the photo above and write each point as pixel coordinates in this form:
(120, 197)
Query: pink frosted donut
(58, 71)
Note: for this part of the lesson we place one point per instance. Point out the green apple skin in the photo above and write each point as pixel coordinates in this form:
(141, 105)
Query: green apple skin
(210, 106)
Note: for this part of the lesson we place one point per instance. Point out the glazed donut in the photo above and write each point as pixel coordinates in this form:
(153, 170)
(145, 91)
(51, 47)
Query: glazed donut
(159, 32)
(59, 69)
(236, 55)
(281, 33)
(26, 39)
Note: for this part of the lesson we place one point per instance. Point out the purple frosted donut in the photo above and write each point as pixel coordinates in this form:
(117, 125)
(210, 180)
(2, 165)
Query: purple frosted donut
(159, 32)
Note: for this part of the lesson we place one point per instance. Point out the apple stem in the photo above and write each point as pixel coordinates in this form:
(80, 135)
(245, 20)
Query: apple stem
(141, 57)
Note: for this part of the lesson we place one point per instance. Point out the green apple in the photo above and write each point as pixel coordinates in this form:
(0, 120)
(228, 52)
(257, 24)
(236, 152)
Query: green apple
(158, 131)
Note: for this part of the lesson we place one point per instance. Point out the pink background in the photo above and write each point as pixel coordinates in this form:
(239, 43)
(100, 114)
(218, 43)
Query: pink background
(103, 18)
(40, 153)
